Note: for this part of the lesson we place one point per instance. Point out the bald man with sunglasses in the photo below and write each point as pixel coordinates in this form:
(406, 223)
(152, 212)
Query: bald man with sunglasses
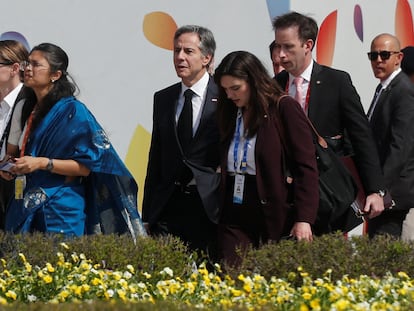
(391, 116)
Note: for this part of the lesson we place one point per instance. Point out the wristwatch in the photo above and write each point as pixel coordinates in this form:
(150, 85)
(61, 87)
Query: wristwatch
(49, 166)
(381, 193)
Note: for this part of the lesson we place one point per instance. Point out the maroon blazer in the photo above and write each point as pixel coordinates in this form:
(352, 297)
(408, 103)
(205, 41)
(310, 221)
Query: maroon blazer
(270, 173)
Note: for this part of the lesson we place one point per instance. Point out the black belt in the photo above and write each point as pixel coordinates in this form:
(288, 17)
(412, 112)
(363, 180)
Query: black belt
(186, 189)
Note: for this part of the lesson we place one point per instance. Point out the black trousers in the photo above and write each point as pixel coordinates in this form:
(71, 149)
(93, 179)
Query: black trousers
(6, 193)
(185, 217)
(241, 225)
(388, 222)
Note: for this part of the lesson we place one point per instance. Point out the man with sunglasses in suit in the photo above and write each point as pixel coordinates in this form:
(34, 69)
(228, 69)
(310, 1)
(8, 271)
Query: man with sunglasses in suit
(391, 116)
(331, 102)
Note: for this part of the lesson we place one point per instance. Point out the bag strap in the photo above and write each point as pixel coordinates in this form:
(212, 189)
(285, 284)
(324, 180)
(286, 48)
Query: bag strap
(321, 141)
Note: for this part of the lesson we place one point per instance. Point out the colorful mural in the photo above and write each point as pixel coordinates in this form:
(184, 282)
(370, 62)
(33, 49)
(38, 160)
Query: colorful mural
(122, 55)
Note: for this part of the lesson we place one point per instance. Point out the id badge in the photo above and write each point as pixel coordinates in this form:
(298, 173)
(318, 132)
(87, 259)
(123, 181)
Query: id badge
(238, 189)
(19, 185)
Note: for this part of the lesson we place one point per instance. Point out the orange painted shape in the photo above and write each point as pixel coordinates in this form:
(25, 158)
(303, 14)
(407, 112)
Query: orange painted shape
(404, 23)
(326, 40)
(159, 29)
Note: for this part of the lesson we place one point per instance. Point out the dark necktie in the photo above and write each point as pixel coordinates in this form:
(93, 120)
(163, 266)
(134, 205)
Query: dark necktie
(185, 121)
(374, 101)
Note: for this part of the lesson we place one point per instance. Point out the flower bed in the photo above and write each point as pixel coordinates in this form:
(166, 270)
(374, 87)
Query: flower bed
(75, 278)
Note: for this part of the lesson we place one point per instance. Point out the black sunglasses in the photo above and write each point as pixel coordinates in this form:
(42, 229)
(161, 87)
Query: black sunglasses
(383, 54)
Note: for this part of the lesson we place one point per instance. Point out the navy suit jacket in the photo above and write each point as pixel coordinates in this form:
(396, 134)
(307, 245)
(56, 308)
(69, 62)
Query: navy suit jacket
(335, 109)
(165, 159)
(393, 127)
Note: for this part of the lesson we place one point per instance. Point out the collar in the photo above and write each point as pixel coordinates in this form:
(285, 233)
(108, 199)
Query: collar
(10, 98)
(199, 87)
(387, 81)
(306, 74)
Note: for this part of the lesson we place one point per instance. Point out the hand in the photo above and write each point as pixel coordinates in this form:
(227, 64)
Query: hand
(374, 205)
(28, 164)
(6, 175)
(302, 231)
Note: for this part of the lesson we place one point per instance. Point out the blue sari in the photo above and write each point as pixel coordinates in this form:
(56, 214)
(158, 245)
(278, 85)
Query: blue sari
(103, 202)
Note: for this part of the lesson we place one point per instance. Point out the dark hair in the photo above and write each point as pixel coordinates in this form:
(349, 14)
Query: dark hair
(207, 42)
(264, 91)
(63, 87)
(307, 26)
(407, 63)
(272, 45)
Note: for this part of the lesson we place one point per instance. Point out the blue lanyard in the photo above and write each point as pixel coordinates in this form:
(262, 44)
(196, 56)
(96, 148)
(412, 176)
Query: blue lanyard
(243, 164)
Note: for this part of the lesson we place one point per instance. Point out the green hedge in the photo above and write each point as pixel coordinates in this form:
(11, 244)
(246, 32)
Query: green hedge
(353, 257)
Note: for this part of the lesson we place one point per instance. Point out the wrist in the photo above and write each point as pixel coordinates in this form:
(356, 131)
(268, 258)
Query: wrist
(49, 166)
(380, 193)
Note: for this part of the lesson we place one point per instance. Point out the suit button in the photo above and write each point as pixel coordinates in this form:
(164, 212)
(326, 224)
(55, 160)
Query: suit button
(263, 201)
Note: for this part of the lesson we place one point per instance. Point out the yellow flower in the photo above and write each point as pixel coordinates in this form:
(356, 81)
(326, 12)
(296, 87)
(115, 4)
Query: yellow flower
(47, 279)
(341, 304)
(64, 245)
(122, 294)
(77, 290)
(131, 269)
(11, 294)
(28, 267)
(315, 304)
(403, 275)
(23, 258)
(63, 295)
(306, 296)
(147, 275)
(3, 301)
(3, 262)
(303, 307)
(49, 268)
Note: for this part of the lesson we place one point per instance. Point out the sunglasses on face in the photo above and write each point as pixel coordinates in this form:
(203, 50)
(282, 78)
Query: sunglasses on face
(383, 54)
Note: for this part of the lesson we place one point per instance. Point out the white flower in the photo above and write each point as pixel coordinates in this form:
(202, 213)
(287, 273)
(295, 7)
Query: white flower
(168, 271)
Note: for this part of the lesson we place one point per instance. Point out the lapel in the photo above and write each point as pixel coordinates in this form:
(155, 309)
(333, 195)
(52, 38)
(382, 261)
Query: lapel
(383, 98)
(175, 93)
(315, 85)
(209, 106)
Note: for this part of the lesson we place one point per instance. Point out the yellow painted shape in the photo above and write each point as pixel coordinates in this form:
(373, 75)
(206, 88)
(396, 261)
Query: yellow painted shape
(137, 159)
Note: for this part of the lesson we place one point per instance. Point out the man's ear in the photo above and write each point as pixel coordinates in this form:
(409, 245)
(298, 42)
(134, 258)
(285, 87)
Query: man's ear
(207, 59)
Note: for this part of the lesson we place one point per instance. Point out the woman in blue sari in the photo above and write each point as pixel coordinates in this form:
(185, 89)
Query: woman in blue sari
(69, 179)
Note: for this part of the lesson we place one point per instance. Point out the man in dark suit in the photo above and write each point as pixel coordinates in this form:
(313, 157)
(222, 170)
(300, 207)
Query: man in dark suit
(177, 197)
(331, 102)
(392, 119)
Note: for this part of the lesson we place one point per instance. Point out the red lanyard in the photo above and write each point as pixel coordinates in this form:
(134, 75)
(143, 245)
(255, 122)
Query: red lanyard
(307, 95)
(27, 133)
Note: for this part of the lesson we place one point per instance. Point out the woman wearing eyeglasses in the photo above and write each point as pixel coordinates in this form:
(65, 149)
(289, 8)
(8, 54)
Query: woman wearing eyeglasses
(68, 176)
(12, 94)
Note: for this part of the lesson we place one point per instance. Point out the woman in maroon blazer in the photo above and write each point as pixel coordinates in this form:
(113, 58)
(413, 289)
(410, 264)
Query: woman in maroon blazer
(254, 185)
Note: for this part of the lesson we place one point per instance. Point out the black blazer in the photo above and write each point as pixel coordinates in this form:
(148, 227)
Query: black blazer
(165, 159)
(393, 127)
(335, 109)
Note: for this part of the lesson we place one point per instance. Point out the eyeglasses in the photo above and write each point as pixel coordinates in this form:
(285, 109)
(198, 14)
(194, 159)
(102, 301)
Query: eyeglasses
(24, 64)
(383, 54)
(8, 63)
